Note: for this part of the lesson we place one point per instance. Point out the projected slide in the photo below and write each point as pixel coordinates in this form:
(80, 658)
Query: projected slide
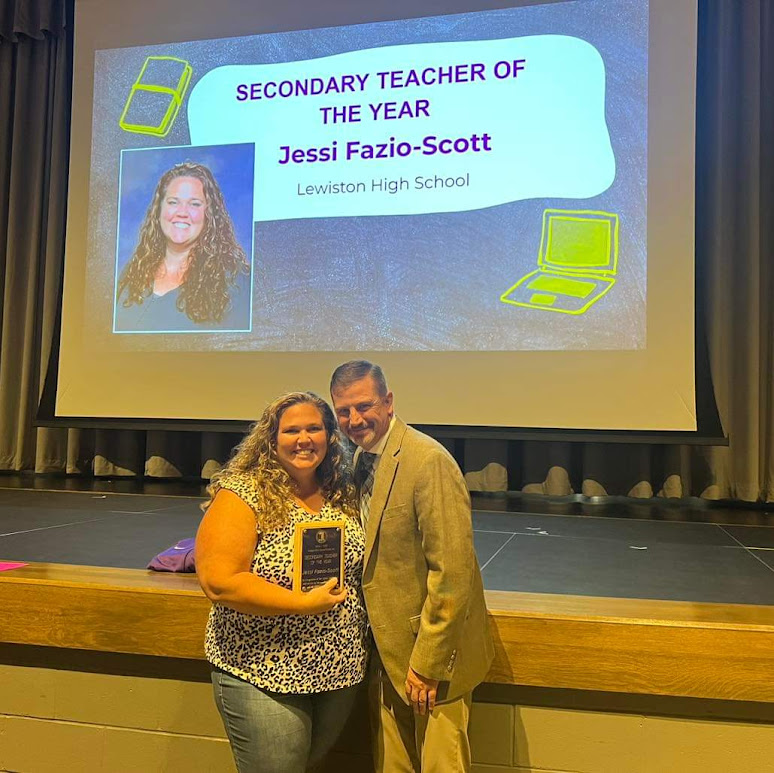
(472, 182)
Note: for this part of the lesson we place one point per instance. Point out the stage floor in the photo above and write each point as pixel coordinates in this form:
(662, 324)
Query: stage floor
(677, 557)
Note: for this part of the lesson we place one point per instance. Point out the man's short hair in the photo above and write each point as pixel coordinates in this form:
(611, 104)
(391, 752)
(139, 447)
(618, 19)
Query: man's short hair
(355, 370)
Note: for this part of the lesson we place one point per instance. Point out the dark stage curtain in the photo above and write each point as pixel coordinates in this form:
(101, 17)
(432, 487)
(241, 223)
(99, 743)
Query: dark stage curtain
(34, 108)
(734, 186)
(32, 19)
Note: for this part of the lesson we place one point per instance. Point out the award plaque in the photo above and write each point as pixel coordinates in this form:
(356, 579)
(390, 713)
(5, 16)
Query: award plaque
(318, 554)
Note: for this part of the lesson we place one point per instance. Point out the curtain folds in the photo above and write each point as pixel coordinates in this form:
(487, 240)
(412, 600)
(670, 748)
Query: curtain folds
(34, 105)
(32, 18)
(735, 280)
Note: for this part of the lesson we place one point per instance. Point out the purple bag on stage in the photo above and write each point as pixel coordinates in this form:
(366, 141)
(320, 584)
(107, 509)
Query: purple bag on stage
(178, 558)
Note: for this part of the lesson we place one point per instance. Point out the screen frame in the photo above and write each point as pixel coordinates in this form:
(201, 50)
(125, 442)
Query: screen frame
(453, 430)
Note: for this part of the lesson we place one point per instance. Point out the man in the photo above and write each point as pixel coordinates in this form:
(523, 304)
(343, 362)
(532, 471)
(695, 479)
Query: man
(421, 581)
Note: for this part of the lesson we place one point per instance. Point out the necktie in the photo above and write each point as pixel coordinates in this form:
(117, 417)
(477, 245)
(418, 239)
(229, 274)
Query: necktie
(364, 482)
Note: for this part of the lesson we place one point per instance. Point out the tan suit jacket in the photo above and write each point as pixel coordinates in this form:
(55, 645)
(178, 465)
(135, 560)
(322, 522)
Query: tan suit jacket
(421, 580)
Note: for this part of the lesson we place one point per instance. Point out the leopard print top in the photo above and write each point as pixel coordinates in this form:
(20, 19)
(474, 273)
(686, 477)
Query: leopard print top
(293, 653)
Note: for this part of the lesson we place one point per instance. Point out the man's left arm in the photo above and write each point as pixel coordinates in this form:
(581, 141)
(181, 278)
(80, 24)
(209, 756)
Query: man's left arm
(442, 505)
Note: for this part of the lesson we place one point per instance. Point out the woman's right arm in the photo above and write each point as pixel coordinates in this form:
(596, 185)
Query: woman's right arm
(225, 544)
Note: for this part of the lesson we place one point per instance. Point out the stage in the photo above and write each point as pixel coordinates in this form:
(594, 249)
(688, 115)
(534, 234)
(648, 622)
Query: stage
(644, 599)
(565, 552)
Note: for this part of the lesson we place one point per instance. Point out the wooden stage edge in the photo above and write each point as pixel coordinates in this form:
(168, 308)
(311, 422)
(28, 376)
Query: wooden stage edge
(710, 651)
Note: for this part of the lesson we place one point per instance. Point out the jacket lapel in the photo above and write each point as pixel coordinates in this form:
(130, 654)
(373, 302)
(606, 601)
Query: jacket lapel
(385, 475)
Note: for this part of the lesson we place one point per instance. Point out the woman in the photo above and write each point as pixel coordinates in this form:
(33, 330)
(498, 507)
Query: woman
(188, 271)
(285, 662)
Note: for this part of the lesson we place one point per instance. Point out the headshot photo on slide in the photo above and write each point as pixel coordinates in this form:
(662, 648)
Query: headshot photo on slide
(184, 244)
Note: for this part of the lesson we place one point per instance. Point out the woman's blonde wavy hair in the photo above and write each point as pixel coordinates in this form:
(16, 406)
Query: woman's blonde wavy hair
(215, 260)
(257, 456)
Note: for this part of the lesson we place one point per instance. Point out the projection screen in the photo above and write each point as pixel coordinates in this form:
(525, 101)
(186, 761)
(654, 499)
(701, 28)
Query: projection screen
(494, 201)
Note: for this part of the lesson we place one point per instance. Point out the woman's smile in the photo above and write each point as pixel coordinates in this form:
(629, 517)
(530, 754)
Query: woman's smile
(302, 440)
(182, 211)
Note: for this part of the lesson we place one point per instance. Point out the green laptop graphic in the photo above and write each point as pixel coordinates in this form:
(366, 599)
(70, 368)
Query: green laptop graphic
(577, 263)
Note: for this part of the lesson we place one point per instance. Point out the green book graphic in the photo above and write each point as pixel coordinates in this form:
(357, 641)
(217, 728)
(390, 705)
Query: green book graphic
(156, 96)
(577, 263)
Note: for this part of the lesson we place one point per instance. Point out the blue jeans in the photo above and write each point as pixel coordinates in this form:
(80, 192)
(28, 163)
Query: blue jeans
(274, 732)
